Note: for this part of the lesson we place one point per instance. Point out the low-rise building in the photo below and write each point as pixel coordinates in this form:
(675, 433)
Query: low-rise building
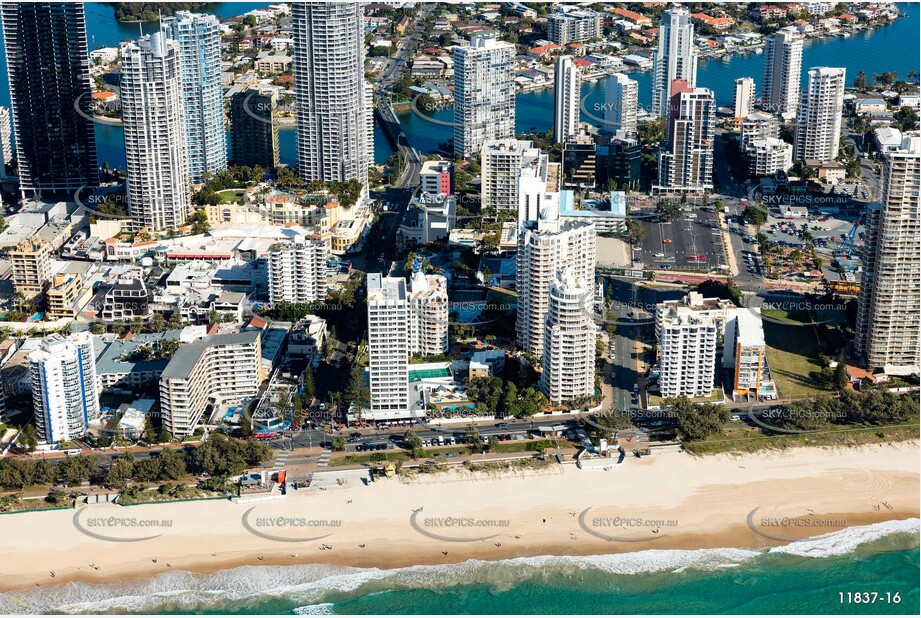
(751, 376)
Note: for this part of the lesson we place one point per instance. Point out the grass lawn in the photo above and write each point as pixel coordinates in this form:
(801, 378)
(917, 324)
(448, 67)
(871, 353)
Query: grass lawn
(231, 196)
(746, 439)
(833, 317)
(358, 460)
(792, 354)
(715, 397)
(795, 316)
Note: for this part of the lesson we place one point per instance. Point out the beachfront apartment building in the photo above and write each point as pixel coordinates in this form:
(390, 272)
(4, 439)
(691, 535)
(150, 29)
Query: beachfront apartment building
(567, 25)
(199, 38)
(818, 122)
(331, 97)
(566, 99)
(48, 67)
(758, 125)
(388, 344)
(675, 57)
(743, 97)
(568, 366)
(501, 162)
(687, 350)
(484, 93)
(686, 164)
(745, 355)
(687, 355)
(209, 376)
(296, 270)
(63, 378)
(887, 332)
(783, 61)
(621, 99)
(156, 146)
(546, 246)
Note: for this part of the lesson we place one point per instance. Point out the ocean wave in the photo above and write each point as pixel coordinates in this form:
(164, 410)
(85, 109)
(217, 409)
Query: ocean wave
(846, 541)
(314, 588)
(319, 609)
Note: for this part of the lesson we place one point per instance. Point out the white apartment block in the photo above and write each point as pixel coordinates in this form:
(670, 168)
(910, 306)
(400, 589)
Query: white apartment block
(621, 98)
(297, 271)
(888, 330)
(818, 122)
(568, 368)
(501, 162)
(566, 99)
(743, 97)
(573, 26)
(758, 125)
(64, 396)
(428, 314)
(484, 94)
(388, 344)
(546, 246)
(766, 156)
(687, 162)
(533, 196)
(783, 62)
(687, 355)
(674, 58)
(213, 373)
(334, 113)
(720, 310)
(156, 145)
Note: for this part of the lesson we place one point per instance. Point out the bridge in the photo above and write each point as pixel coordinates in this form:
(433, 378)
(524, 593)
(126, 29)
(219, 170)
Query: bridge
(399, 140)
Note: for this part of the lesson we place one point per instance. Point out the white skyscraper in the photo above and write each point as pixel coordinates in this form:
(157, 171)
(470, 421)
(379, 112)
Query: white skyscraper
(64, 394)
(566, 99)
(569, 339)
(687, 162)
(783, 62)
(428, 313)
(199, 37)
(484, 94)
(743, 97)
(675, 58)
(888, 330)
(156, 147)
(334, 141)
(688, 356)
(501, 162)
(297, 271)
(621, 96)
(388, 344)
(545, 247)
(818, 122)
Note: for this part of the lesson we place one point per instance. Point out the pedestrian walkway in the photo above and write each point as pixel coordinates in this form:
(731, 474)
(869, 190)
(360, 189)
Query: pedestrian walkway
(324, 458)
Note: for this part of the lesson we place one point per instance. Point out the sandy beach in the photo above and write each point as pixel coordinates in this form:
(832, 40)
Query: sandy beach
(670, 501)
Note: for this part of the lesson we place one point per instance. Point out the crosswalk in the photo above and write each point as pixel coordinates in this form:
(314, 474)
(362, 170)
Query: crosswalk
(324, 458)
(281, 460)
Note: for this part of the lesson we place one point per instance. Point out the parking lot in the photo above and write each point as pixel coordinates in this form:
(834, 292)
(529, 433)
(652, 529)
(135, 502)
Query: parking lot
(691, 242)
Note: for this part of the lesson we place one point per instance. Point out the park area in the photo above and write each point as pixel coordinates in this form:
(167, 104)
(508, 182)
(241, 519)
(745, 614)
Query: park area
(793, 354)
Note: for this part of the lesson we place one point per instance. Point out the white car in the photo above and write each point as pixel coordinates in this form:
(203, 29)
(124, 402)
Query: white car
(660, 255)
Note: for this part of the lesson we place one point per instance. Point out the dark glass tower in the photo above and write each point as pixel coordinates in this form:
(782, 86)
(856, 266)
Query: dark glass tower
(254, 134)
(48, 68)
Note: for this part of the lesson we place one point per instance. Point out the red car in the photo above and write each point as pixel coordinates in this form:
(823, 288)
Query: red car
(667, 241)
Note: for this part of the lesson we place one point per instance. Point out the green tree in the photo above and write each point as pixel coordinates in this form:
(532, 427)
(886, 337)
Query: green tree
(357, 392)
(906, 119)
(339, 443)
(246, 425)
(149, 436)
(714, 288)
(860, 81)
(754, 216)
(28, 438)
(309, 390)
(668, 210)
(696, 421)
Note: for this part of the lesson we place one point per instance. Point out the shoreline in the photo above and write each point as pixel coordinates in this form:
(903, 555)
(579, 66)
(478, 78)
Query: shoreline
(694, 503)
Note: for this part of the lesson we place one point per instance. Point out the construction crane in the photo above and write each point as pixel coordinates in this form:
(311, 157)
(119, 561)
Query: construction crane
(845, 248)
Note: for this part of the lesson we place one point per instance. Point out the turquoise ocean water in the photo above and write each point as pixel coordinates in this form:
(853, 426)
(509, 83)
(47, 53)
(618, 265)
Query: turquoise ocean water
(805, 577)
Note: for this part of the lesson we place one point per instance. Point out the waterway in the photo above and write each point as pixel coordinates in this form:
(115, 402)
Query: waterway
(890, 48)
